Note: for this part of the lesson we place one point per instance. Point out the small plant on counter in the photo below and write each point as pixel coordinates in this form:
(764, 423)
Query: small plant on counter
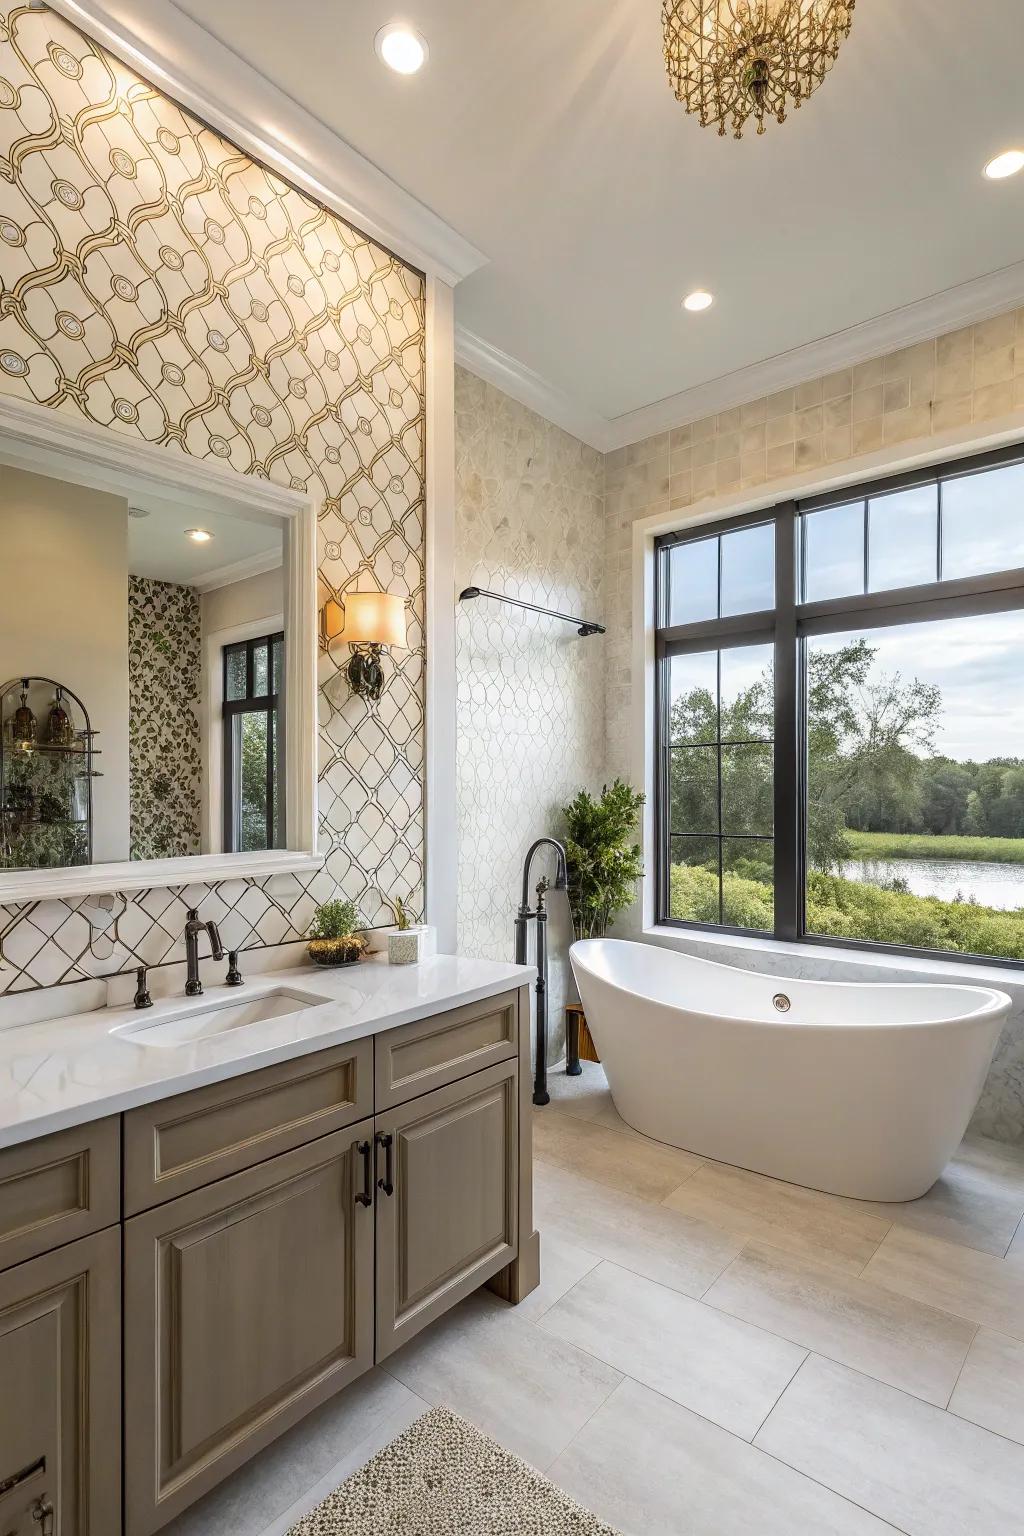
(333, 939)
(402, 922)
(603, 858)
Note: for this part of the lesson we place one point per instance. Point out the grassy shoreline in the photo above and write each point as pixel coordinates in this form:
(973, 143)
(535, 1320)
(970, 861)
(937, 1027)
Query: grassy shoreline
(913, 845)
(849, 909)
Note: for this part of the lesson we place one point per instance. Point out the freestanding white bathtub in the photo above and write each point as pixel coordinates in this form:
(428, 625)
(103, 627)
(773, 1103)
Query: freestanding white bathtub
(859, 1089)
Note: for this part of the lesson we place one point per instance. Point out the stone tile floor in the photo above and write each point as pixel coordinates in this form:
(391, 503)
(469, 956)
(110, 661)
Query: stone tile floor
(713, 1353)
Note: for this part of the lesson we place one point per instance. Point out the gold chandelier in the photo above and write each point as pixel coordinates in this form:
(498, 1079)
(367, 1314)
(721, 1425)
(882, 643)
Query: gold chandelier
(729, 60)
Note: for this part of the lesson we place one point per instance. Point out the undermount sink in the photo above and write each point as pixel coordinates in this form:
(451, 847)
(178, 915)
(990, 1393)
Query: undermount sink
(216, 1018)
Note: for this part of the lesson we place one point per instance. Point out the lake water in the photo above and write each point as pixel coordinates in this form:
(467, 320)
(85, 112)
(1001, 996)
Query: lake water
(993, 885)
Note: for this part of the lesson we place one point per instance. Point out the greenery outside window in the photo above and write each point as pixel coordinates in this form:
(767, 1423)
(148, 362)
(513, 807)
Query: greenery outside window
(840, 742)
(254, 797)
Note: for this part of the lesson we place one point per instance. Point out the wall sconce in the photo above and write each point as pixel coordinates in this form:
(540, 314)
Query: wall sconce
(368, 621)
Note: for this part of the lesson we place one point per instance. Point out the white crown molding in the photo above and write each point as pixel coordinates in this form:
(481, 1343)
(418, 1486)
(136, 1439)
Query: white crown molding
(514, 378)
(966, 304)
(181, 58)
(238, 570)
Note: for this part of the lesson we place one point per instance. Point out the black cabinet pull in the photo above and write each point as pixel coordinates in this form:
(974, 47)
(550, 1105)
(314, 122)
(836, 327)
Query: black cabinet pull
(365, 1195)
(387, 1183)
(7, 1483)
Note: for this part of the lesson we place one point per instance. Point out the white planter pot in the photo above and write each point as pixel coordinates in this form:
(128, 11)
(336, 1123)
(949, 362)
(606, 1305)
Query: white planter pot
(408, 946)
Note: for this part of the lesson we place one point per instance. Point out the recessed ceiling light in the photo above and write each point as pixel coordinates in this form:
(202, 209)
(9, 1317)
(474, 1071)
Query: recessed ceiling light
(198, 535)
(402, 49)
(1007, 164)
(697, 300)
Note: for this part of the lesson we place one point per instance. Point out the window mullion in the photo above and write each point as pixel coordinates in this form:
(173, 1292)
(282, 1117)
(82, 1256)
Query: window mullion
(788, 778)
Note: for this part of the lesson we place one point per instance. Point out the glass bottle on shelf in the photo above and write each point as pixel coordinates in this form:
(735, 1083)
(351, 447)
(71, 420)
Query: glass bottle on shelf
(23, 723)
(59, 730)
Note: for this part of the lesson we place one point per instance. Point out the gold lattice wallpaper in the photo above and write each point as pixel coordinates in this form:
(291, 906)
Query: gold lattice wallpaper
(155, 280)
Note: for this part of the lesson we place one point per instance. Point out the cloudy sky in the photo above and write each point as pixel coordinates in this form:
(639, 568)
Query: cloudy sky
(978, 663)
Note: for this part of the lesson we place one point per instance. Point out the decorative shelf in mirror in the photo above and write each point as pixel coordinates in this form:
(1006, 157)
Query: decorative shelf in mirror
(47, 765)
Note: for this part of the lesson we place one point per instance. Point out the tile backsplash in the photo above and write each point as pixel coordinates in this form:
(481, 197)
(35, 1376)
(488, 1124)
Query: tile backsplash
(158, 282)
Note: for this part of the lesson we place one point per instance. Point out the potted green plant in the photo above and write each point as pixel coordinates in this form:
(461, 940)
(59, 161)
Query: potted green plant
(332, 938)
(603, 865)
(408, 942)
(604, 860)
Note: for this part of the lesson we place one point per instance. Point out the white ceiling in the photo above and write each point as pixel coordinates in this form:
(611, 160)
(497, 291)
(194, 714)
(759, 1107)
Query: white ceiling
(545, 132)
(159, 546)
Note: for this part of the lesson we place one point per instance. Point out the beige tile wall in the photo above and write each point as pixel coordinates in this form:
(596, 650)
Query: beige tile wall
(972, 375)
(530, 523)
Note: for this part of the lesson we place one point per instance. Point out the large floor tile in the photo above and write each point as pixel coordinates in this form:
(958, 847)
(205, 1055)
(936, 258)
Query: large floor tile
(1016, 1249)
(990, 1391)
(382, 1434)
(784, 1215)
(974, 1285)
(651, 1468)
(723, 1369)
(978, 1201)
(588, 1097)
(641, 1236)
(924, 1470)
(632, 1164)
(888, 1336)
(261, 1492)
(529, 1390)
(561, 1265)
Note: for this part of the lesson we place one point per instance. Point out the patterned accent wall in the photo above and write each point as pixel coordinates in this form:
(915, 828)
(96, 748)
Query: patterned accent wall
(164, 762)
(530, 523)
(154, 280)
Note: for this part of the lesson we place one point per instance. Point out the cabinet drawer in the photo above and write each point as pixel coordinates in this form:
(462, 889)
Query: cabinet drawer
(432, 1052)
(183, 1143)
(57, 1189)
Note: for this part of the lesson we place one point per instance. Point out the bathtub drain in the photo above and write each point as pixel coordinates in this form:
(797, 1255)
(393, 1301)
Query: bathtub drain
(780, 1002)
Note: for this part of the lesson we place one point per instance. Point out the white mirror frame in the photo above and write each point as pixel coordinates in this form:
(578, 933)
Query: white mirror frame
(49, 442)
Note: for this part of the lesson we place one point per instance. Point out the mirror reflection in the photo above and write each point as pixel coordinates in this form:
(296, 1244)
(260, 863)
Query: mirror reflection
(142, 664)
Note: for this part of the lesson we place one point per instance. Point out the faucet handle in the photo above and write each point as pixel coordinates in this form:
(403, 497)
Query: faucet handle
(234, 976)
(142, 997)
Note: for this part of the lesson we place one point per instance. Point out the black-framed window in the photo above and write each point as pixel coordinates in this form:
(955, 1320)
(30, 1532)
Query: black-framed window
(254, 798)
(840, 721)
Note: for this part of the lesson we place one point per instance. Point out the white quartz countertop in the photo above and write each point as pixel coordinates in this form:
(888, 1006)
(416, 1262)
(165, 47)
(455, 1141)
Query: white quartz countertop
(66, 1071)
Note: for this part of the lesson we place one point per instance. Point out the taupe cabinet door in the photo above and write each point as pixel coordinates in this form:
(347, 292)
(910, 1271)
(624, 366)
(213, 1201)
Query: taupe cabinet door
(246, 1304)
(449, 1222)
(60, 1391)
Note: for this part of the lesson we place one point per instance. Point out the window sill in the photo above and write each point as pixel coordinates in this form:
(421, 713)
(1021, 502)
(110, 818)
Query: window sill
(825, 962)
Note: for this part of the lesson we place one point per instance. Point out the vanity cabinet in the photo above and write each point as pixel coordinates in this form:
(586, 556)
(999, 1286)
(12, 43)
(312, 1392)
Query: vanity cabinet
(247, 1303)
(60, 1391)
(261, 1242)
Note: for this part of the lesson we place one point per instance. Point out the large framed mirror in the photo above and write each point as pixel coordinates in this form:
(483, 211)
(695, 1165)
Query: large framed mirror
(158, 649)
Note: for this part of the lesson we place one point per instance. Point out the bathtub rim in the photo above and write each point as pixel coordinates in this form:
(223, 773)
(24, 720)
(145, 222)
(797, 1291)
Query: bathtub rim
(996, 1007)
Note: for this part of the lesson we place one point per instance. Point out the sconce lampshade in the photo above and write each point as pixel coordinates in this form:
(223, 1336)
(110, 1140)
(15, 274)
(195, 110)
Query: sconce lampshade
(368, 618)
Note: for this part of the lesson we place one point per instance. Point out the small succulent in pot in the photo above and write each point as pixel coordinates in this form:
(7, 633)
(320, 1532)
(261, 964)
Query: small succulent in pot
(332, 938)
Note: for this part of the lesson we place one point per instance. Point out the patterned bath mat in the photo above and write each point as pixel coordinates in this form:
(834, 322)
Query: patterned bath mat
(444, 1478)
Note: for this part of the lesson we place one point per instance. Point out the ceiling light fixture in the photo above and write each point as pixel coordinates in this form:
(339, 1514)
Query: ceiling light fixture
(728, 60)
(697, 300)
(1007, 164)
(198, 535)
(401, 48)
